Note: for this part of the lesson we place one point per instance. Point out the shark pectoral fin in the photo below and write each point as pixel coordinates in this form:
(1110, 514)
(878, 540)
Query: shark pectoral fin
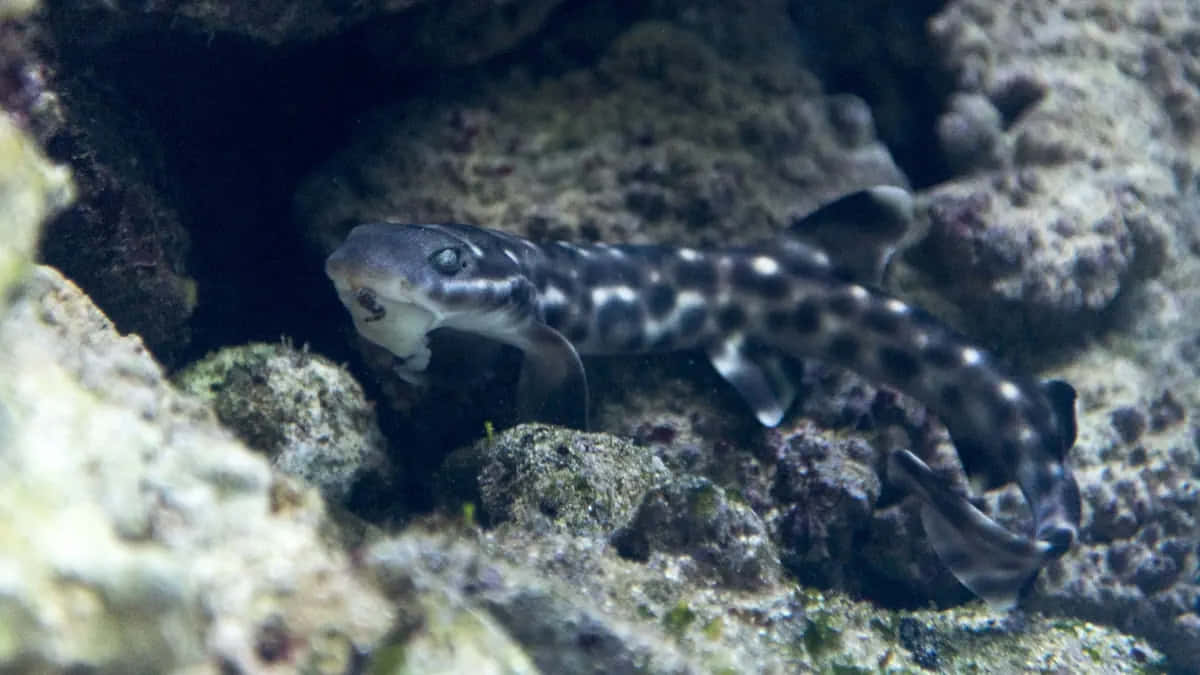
(992, 562)
(861, 230)
(552, 387)
(759, 377)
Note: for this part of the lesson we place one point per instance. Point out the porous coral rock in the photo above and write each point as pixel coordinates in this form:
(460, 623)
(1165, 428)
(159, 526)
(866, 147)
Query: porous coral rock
(725, 540)
(135, 534)
(662, 140)
(305, 413)
(1098, 193)
(140, 535)
(545, 478)
(31, 189)
(1077, 204)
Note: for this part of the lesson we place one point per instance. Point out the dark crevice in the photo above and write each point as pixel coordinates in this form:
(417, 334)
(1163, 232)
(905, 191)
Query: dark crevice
(884, 55)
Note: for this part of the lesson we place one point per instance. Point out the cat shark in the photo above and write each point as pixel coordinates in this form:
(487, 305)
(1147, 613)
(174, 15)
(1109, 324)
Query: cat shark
(811, 293)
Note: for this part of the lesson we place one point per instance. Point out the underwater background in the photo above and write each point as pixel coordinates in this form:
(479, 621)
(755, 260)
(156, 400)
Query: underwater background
(204, 470)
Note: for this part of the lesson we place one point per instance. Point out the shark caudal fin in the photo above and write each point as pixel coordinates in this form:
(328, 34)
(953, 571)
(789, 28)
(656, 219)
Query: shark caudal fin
(992, 562)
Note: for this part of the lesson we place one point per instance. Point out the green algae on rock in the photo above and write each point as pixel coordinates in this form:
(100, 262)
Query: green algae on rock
(306, 414)
(31, 190)
(537, 476)
(128, 508)
(135, 534)
(574, 607)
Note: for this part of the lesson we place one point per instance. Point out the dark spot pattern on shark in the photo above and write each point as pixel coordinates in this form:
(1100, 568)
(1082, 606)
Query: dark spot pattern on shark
(748, 309)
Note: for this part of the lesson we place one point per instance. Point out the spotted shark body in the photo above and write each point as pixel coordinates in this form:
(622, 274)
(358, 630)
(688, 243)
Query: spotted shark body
(747, 308)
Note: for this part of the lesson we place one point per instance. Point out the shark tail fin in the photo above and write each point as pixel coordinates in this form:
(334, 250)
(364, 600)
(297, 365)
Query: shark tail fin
(992, 562)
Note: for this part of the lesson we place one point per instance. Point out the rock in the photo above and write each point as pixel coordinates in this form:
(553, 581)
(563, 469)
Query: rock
(303, 412)
(138, 535)
(726, 541)
(1079, 201)
(131, 510)
(575, 607)
(31, 189)
(412, 32)
(662, 140)
(545, 478)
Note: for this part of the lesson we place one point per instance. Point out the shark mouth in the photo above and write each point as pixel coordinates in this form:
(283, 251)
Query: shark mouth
(400, 326)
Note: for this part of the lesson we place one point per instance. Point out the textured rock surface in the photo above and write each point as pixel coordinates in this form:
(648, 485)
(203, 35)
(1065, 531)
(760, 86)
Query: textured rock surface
(662, 140)
(574, 607)
(1096, 191)
(1074, 144)
(123, 239)
(724, 540)
(31, 189)
(414, 32)
(140, 535)
(137, 535)
(545, 478)
(305, 413)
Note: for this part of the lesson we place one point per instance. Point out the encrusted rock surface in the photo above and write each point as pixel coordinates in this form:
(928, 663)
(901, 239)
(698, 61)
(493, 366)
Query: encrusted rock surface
(413, 32)
(545, 479)
(1067, 123)
(304, 412)
(1092, 193)
(663, 140)
(138, 535)
(574, 607)
(722, 539)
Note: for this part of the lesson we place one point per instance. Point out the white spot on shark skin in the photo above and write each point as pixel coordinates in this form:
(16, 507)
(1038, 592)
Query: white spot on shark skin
(478, 285)
(1009, 391)
(1025, 434)
(859, 293)
(689, 254)
(654, 276)
(687, 300)
(577, 250)
(895, 306)
(765, 266)
(603, 294)
(971, 356)
(554, 296)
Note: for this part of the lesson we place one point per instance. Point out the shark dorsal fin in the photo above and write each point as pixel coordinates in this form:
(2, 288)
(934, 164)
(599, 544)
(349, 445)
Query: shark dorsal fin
(860, 231)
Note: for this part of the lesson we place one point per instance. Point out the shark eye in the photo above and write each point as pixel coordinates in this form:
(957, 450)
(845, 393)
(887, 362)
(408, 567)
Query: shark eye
(448, 261)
